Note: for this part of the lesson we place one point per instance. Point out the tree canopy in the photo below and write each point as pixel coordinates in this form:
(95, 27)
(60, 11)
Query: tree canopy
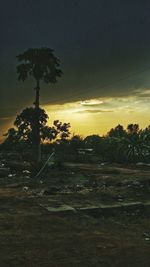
(24, 124)
(40, 63)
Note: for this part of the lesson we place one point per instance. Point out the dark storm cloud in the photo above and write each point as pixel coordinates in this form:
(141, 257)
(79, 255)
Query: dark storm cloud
(101, 44)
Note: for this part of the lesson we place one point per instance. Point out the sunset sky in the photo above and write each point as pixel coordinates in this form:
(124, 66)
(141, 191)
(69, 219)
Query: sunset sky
(104, 48)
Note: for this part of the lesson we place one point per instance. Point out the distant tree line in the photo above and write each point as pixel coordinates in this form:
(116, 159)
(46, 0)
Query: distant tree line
(119, 145)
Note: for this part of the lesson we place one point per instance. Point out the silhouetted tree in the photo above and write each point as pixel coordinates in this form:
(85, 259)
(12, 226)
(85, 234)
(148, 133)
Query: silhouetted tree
(118, 131)
(24, 123)
(76, 142)
(132, 129)
(42, 65)
(93, 141)
(12, 139)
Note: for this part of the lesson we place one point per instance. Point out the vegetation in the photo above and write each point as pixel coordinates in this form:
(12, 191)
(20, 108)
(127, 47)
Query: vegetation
(120, 145)
(20, 137)
(42, 65)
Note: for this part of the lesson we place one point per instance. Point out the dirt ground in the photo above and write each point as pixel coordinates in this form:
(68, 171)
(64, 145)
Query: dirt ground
(82, 215)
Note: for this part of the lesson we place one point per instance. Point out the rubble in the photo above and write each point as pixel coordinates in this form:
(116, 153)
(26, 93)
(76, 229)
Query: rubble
(25, 188)
(52, 190)
(11, 175)
(26, 172)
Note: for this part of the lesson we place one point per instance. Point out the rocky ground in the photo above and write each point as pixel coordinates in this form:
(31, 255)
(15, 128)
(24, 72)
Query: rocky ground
(81, 215)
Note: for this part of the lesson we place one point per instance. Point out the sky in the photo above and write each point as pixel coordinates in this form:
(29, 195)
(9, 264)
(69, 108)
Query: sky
(104, 48)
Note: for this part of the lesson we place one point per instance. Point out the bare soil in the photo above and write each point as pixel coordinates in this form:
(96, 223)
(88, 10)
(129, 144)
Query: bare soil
(82, 215)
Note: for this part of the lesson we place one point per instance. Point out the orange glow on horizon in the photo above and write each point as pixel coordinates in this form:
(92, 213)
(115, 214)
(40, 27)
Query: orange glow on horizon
(95, 116)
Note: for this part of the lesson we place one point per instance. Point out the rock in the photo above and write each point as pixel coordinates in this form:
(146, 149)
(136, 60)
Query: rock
(25, 188)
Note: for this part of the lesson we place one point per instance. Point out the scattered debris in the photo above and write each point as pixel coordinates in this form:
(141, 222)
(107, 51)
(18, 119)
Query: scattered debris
(147, 235)
(2, 165)
(26, 171)
(41, 193)
(27, 177)
(25, 188)
(61, 208)
(52, 190)
(136, 183)
(142, 164)
(120, 199)
(11, 175)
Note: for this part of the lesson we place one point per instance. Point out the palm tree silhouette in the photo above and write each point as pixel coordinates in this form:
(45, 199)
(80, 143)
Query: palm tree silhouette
(42, 65)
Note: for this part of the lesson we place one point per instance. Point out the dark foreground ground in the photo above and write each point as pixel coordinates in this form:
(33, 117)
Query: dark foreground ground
(82, 215)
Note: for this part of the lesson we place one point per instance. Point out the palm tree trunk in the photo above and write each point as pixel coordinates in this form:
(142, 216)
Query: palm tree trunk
(36, 130)
(37, 96)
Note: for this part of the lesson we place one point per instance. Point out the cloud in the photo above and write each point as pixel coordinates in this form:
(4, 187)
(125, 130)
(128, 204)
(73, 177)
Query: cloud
(143, 93)
(101, 105)
(92, 102)
(93, 111)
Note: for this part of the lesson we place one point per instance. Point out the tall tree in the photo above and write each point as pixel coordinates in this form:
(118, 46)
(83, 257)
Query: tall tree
(42, 65)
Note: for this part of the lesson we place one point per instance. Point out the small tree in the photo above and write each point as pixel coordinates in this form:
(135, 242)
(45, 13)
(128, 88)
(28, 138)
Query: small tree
(94, 142)
(76, 142)
(118, 132)
(12, 139)
(25, 122)
(22, 134)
